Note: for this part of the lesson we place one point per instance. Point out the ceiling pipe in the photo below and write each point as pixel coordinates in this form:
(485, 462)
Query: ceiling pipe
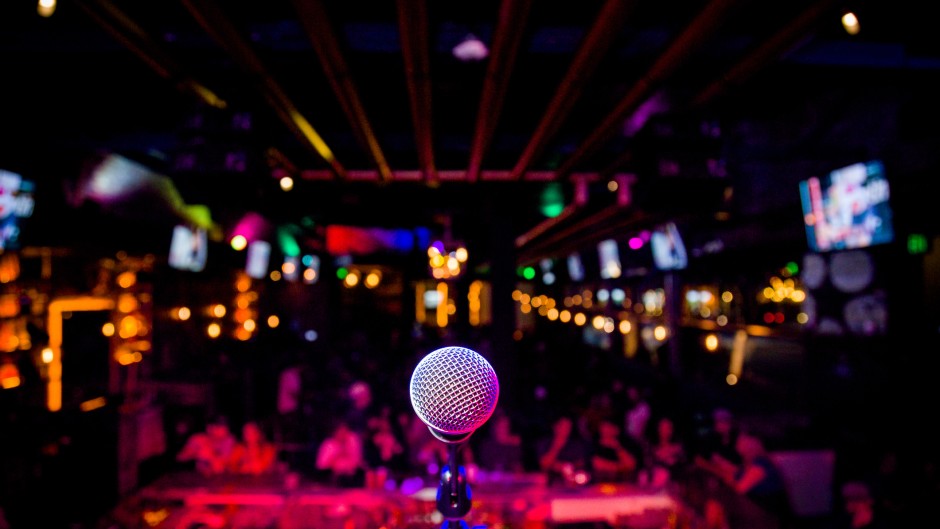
(135, 39)
(782, 43)
(413, 30)
(513, 15)
(605, 30)
(682, 48)
(316, 23)
(217, 25)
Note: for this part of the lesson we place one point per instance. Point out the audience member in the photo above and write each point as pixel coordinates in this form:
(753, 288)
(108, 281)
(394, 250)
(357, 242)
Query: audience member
(384, 451)
(638, 413)
(360, 406)
(501, 449)
(340, 456)
(859, 510)
(756, 477)
(611, 461)
(425, 452)
(210, 450)
(666, 448)
(254, 454)
(714, 515)
(564, 453)
(717, 445)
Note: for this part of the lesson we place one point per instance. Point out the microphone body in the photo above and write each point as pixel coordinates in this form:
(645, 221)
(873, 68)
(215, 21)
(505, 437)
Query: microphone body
(454, 391)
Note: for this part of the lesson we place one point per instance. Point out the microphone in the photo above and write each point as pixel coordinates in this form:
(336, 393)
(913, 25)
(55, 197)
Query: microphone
(454, 391)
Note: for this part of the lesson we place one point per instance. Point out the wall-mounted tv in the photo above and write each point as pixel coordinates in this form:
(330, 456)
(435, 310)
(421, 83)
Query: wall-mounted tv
(575, 267)
(258, 259)
(608, 252)
(847, 208)
(16, 202)
(188, 248)
(667, 247)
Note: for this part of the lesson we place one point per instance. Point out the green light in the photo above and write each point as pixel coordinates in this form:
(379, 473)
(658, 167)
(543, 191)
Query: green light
(528, 272)
(552, 201)
(287, 239)
(342, 272)
(793, 268)
(916, 244)
(288, 244)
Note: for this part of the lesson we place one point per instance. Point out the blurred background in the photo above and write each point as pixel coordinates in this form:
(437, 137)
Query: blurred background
(730, 201)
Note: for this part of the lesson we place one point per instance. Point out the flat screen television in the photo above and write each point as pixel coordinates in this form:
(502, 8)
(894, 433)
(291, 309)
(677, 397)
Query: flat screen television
(188, 248)
(258, 259)
(667, 247)
(608, 252)
(575, 267)
(848, 208)
(16, 202)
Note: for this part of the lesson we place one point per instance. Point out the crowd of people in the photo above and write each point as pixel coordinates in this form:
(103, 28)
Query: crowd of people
(218, 451)
(347, 428)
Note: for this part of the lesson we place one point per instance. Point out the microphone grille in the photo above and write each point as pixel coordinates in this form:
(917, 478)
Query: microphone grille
(454, 390)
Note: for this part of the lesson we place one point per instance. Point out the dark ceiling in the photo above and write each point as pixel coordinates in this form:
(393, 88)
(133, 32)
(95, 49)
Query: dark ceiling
(716, 108)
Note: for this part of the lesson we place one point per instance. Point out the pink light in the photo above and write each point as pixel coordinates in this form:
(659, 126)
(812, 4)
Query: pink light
(635, 243)
(252, 226)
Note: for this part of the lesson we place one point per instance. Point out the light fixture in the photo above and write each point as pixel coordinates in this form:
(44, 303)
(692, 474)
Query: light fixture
(471, 49)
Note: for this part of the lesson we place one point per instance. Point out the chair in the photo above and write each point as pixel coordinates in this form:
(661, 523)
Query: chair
(808, 478)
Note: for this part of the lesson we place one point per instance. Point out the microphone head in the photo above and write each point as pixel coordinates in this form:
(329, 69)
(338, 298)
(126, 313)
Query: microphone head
(454, 391)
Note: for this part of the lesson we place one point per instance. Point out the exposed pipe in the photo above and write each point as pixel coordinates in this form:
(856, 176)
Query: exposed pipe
(316, 23)
(509, 30)
(215, 23)
(413, 27)
(135, 39)
(606, 26)
(682, 48)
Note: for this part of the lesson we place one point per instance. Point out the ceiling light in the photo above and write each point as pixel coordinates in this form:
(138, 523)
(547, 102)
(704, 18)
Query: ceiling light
(471, 49)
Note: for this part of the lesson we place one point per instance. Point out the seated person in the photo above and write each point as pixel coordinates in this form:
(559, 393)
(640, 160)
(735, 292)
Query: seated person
(565, 453)
(501, 449)
(340, 456)
(253, 454)
(717, 446)
(211, 450)
(384, 451)
(858, 508)
(756, 477)
(611, 461)
(666, 449)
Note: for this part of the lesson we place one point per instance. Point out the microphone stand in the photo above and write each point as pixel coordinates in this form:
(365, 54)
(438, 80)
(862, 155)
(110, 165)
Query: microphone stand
(453, 492)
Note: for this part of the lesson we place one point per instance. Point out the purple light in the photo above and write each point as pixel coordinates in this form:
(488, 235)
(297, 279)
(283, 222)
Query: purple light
(635, 243)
